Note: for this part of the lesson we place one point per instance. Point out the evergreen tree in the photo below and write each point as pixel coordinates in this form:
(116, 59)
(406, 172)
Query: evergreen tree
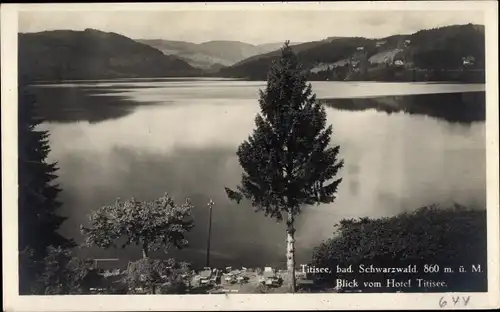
(38, 221)
(288, 161)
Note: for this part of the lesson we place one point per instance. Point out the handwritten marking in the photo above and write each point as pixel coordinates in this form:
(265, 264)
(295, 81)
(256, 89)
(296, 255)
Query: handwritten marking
(462, 301)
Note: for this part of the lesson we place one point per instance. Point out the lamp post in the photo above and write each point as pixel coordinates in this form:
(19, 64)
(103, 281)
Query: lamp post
(210, 205)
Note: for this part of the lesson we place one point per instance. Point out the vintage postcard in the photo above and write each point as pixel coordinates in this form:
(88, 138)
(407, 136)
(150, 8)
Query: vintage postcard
(250, 156)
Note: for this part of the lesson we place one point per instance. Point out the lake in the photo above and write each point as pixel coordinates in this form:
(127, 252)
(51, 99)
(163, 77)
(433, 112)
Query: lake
(405, 145)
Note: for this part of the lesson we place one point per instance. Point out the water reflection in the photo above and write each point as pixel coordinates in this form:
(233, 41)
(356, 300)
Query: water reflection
(197, 173)
(187, 147)
(97, 101)
(72, 104)
(453, 107)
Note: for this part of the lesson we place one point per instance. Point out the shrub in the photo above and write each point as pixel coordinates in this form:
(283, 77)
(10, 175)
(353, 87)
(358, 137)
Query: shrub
(450, 237)
(158, 276)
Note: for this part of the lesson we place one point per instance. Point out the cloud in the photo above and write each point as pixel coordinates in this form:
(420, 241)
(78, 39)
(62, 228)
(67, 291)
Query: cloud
(375, 20)
(252, 26)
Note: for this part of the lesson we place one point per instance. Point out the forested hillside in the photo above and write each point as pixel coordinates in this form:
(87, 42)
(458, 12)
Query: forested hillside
(443, 48)
(92, 54)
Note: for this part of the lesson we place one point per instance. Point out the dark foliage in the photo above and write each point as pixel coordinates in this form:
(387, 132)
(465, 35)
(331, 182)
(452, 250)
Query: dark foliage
(450, 237)
(64, 274)
(38, 204)
(158, 276)
(92, 54)
(288, 161)
(150, 225)
(444, 47)
(434, 49)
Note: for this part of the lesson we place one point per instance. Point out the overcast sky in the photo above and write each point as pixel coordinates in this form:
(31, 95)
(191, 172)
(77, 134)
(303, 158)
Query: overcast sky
(254, 27)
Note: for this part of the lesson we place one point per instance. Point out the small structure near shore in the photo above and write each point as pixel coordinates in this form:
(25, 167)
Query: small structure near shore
(269, 276)
(205, 277)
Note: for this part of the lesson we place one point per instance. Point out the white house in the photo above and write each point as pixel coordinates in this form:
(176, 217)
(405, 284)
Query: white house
(469, 60)
(269, 276)
(399, 63)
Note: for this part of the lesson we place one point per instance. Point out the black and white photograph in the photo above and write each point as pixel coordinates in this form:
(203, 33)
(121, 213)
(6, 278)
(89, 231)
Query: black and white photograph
(212, 151)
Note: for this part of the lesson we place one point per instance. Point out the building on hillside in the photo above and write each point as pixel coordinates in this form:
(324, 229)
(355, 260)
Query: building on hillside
(399, 63)
(380, 43)
(407, 42)
(360, 48)
(468, 60)
(107, 264)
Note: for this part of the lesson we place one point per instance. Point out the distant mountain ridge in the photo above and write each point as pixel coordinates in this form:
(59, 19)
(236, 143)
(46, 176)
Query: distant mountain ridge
(207, 54)
(275, 53)
(93, 54)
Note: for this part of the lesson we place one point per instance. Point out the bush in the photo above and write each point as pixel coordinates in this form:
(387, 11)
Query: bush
(262, 289)
(158, 276)
(450, 237)
(64, 274)
(176, 286)
(28, 268)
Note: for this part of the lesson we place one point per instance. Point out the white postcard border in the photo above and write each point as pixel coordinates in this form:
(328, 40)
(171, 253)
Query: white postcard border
(14, 302)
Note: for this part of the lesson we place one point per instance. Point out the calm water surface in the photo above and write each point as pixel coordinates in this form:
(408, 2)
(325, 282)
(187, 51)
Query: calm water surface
(143, 138)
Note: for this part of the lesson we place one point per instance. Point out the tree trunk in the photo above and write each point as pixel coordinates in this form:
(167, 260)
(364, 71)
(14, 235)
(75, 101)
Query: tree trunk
(144, 250)
(145, 255)
(290, 252)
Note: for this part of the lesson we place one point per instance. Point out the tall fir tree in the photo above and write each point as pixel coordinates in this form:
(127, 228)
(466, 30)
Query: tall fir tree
(287, 160)
(38, 221)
